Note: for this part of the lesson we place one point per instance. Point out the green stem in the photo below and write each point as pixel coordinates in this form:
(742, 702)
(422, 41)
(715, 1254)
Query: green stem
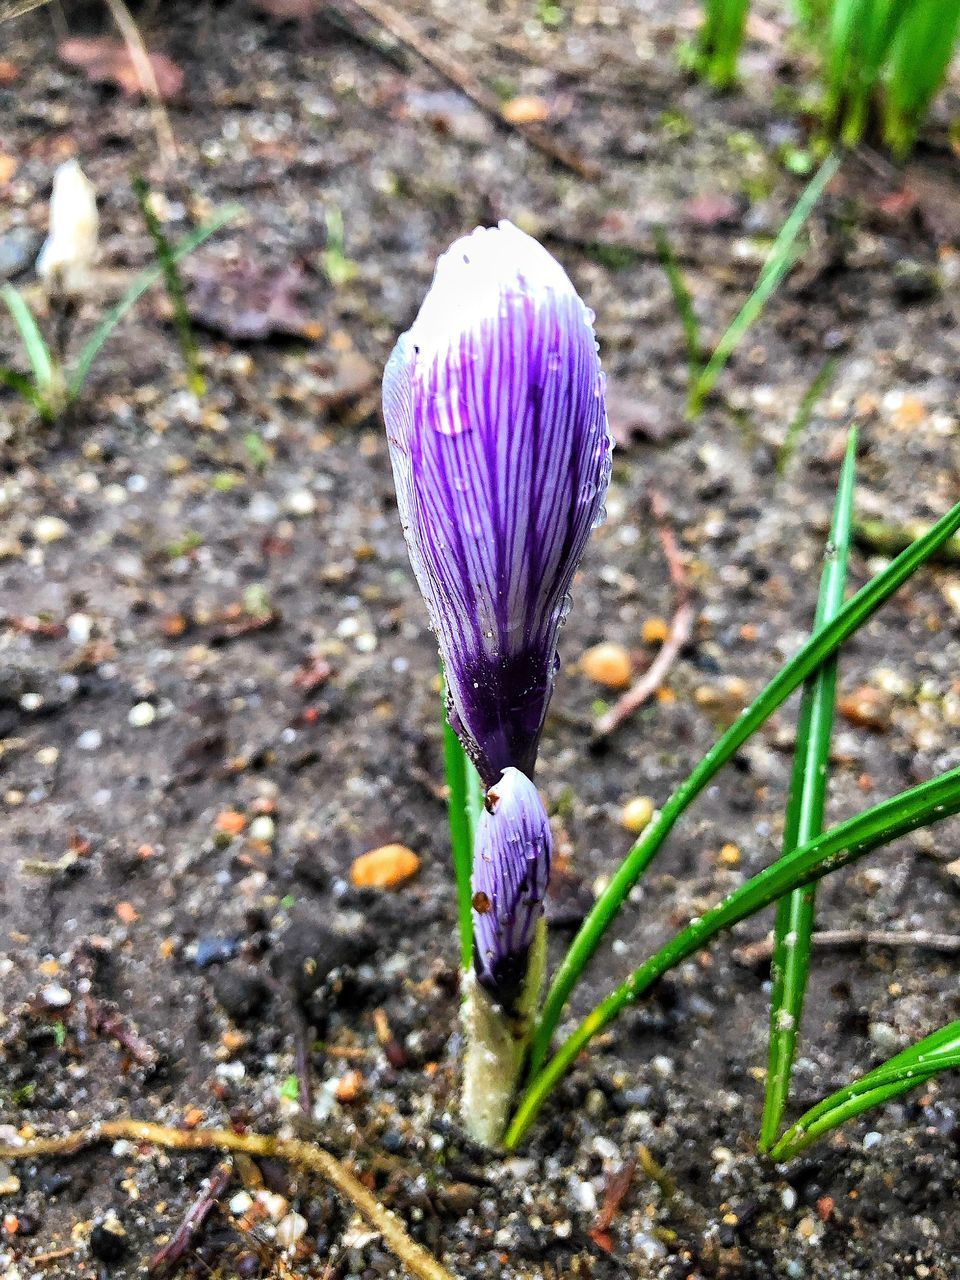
(920, 806)
(816, 651)
(461, 837)
(804, 818)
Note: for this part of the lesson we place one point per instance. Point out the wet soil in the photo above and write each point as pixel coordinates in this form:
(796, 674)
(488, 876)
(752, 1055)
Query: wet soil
(223, 623)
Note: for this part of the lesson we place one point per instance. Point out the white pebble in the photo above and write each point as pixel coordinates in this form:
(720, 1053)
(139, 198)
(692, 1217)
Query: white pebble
(274, 1203)
(79, 627)
(54, 996)
(143, 714)
(31, 702)
(290, 1229)
(584, 1195)
(872, 1139)
(90, 740)
(301, 503)
(49, 529)
(240, 1203)
(263, 828)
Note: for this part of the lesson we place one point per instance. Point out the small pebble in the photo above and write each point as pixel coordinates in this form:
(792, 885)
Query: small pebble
(240, 1203)
(290, 1229)
(263, 828)
(79, 628)
(49, 529)
(90, 740)
(47, 755)
(636, 814)
(301, 503)
(607, 664)
(55, 997)
(384, 868)
(872, 1139)
(142, 715)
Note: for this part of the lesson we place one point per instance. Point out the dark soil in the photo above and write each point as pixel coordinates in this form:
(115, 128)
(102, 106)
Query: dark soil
(210, 553)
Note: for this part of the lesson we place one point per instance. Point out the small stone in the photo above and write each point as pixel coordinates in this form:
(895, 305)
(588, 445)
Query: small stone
(90, 740)
(872, 1139)
(607, 664)
(9, 1185)
(47, 755)
(349, 1087)
(55, 997)
(384, 868)
(867, 707)
(79, 628)
(49, 529)
(654, 631)
(636, 814)
(263, 828)
(729, 856)
(262, 509)
(142, 715)
(240, 1203)
(301, 503)
(230, 822)
(274, 1203)
(290, 1229)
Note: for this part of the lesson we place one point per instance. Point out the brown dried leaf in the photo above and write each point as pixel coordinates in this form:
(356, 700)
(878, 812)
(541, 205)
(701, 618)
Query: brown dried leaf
(106, 61)
(248, 301)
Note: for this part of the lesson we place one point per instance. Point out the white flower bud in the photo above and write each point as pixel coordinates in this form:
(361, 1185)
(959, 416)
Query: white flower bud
(71, 247)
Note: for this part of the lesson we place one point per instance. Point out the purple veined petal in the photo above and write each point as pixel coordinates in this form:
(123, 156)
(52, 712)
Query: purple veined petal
(498, 437)
(511, 870)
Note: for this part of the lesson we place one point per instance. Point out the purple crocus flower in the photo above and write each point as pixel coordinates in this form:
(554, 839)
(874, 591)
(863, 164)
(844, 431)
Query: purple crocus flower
(498, 436)
(511, 867)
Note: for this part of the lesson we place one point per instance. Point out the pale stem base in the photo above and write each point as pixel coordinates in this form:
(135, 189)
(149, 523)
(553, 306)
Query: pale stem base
(496, 1048)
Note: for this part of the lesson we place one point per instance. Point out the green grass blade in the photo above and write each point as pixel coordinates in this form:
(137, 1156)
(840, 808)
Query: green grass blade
(919, 58)
(91, 348)
(804, 818)
(174, 286)
(682, 301)
(816, 651)
(801, 419)
(777, 265)
(461, 836)
(920, 806)
(721, 37)
(21, 384)
(38, 353)
(906, 1070)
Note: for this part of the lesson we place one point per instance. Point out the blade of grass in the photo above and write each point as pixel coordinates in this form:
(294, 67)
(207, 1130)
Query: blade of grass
(38, 353)
(801, 419)
(777, 265)
(804, 818)
(720, 39)
(462, 815)
(812, 654)
(906, 1070)
(919, 58)
(174, 286)
(91, 348)
(682, 301)
(920, 806)
(20, 383)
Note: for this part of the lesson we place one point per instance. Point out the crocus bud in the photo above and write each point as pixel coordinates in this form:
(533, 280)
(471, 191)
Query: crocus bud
(511, 868)
(498, 436)
(71, 247)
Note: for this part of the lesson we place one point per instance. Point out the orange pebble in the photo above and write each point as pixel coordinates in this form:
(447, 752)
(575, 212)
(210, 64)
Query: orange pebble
(384, 868)
(654, 631)
(607, 664)
(230, 822)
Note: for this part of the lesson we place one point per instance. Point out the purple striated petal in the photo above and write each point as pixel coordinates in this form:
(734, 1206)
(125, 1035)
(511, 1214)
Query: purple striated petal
(511, 868)
(501, 456)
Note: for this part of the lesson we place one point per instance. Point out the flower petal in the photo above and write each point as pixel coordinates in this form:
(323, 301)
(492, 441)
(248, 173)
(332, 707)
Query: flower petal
(501, 456)
(511, 869)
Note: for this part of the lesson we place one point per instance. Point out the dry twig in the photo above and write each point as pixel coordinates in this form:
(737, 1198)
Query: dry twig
(165, 1260)
(140, 59)
(756, 953)
(303, 1154)
(407, 33)
(678, 636)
